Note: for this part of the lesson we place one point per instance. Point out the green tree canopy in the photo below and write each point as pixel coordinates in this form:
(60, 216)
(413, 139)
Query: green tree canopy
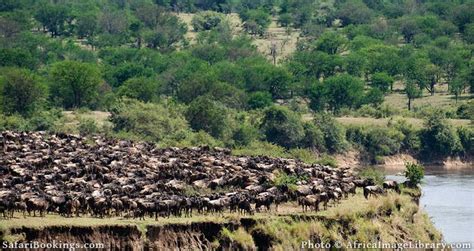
(74, 84)
(21, 91)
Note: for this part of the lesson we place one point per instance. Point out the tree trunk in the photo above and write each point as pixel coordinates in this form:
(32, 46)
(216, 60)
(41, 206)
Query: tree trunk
(409, 104)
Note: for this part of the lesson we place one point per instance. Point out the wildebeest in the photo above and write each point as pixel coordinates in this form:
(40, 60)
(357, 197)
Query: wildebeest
(372, 190)
(391, 184)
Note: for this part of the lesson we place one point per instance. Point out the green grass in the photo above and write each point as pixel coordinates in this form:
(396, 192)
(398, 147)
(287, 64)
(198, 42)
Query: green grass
(417, 123)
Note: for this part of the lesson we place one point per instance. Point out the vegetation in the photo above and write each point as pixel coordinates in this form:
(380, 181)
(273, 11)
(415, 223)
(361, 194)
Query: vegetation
(414, 173)
(202, 80)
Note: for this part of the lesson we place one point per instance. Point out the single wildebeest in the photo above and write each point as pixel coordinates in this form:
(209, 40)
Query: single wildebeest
(372, 190)
(391, 184)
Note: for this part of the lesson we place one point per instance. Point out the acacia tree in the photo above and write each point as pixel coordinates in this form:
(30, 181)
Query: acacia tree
(74, 84)
(412, 91)
(343, 91)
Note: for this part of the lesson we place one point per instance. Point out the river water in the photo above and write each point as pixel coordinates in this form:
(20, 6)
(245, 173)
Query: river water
(448, 198)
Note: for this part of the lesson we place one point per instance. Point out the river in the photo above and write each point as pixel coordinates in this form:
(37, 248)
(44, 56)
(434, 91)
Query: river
(448, 197)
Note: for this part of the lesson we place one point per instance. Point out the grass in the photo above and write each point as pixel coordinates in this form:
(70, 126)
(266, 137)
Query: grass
(417, 123)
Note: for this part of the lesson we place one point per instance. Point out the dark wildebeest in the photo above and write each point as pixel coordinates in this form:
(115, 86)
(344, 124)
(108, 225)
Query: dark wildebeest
(37, 204)
(264, 199)
(310, 201)
(372, 190)
(391, 184)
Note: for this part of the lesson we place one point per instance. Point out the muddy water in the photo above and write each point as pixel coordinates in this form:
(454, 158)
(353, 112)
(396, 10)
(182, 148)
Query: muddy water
(448, 197)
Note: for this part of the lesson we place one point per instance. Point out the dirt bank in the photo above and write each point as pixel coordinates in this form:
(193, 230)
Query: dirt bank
(397, 162)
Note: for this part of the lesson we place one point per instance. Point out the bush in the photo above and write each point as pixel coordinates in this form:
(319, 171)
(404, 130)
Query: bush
(245, 134)
(206, 20)
(153, 122)
(21, 92)
(283, 180)
(414, 173)
(438, 138)
(258, 100)
(334, 133)
(313, 137)
(87, 126)
(466, 137)
(282, 126)
(207, 115)
(373, 173)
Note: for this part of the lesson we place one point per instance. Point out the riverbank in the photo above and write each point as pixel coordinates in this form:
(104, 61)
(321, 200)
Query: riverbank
(397, 162)
(389, 218)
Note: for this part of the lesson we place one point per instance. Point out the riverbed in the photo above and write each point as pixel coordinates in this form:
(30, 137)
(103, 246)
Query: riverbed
(448, 197)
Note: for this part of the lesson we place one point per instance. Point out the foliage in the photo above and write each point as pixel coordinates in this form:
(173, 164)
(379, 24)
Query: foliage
(259, 99)
(205, 114)
(74, 84)
(288, 181)
(206, 20)
(153, 122)
(21, 91)
(373, 173)
(334, 133)
(414, 173)
(438, 138)
(282, 126)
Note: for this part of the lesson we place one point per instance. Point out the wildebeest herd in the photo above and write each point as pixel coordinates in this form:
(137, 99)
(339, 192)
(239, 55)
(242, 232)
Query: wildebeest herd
(73, 176)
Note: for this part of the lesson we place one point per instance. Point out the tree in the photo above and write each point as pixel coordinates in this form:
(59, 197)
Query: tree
(259, 99)
(21, 91)
(334, 133)
(457, 87)
(87, 25)
(207, 115)
(412, 91)
(206, 20)
(331, 43)
(141, 88)
(374, 97)
(282, 126)
(53, 17)
(354, 12)
(343, 91)
(382, 81)
(74, 84)
(149, 121)
(414, 173)
(439, 138)
(256, 21)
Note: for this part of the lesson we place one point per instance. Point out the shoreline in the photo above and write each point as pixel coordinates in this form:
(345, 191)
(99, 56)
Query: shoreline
(352, 159)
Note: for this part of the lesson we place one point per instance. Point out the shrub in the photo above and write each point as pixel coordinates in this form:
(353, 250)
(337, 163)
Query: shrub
(466, 137)
(438, 138)
(245, 134)
(313, 137)
(87, 126)
(334, 134)
(153, 122)
(282, 126)
(414, 173)
(206, 20)
(259, 100)
(283, 180)
(373, 173)
(207, 115)
(21, 91)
